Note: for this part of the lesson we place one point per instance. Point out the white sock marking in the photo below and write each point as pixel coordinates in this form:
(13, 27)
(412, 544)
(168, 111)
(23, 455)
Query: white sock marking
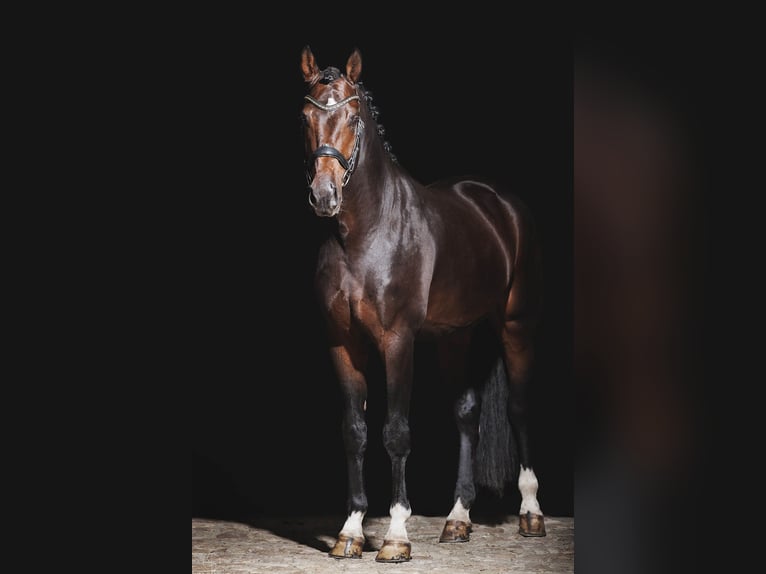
(528, 489)
(397, 530)
(459, 512)
(353, 525)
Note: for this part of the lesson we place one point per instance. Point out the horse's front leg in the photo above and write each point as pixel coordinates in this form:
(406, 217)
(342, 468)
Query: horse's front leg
(349, 362)
(397, 351)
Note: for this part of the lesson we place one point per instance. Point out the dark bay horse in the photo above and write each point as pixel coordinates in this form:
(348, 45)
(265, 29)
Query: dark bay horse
(408, 260)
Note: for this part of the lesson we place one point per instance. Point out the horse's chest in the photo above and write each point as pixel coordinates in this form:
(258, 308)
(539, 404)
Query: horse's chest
(374, 301)
(367, 314)
(378, 289)
(365, 303)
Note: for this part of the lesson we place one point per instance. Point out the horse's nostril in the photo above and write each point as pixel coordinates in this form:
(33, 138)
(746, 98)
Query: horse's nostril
(325, 197)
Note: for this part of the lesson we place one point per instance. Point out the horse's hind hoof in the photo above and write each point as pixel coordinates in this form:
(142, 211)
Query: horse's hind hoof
(531, 524)
(455, 531)
(394, 551)
(347, 547)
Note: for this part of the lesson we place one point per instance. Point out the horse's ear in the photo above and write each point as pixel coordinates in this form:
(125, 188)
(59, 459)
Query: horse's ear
(354, 66)
(309, 65)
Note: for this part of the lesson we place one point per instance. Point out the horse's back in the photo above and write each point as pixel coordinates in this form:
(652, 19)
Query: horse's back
(486, 194)
(463, 204)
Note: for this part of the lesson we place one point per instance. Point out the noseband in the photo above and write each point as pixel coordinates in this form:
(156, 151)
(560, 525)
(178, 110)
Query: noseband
(324, 150)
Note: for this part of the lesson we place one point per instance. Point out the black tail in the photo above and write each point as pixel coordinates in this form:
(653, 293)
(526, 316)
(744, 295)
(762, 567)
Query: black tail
(496, 458)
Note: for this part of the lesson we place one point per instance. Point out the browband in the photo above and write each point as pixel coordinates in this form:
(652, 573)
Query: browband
(330, 107)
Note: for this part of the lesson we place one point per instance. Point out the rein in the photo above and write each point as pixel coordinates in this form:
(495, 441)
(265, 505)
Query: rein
(325, 150)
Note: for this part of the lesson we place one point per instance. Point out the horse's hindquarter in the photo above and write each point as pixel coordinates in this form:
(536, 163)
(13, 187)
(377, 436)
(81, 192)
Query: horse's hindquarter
(478, 238)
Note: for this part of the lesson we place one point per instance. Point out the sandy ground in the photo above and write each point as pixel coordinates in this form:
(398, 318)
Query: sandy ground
(300, 545)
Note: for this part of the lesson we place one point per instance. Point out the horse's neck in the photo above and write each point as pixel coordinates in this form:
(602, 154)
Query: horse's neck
(375, 202)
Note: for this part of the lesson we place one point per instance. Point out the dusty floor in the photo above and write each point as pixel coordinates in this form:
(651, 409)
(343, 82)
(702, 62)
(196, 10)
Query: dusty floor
(299, 546)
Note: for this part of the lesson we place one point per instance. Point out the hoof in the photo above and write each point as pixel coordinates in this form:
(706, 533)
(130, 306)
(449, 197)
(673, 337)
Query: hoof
(455, 531)
(531, 524)
(394, 551)
(347, 547)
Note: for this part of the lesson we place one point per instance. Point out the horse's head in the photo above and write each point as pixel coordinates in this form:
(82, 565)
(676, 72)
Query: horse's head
(332, 129)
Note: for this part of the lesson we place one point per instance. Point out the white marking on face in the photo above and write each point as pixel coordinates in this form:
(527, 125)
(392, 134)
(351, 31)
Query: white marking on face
(528, 489)
(353, 525)
(331, 101)
(397, 530)
(459, 512)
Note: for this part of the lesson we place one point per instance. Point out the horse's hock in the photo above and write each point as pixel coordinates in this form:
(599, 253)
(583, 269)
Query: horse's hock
(301, 545)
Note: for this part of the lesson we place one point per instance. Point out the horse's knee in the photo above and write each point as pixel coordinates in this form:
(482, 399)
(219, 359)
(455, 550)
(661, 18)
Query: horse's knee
(396, 437)
(355, 434)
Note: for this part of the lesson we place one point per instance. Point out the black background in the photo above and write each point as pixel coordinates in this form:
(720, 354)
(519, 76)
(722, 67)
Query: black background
(265, 409)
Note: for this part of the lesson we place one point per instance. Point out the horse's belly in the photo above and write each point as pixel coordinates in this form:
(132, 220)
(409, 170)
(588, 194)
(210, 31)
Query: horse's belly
(469, 284)
(452, 308)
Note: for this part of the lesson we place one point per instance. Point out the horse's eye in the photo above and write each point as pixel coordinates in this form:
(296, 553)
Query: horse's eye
(304, 120)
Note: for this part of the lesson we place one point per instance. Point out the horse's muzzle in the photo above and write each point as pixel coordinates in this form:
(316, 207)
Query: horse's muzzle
(325, 200)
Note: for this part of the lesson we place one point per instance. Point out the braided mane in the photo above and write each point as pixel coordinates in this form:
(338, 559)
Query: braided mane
(375, 112)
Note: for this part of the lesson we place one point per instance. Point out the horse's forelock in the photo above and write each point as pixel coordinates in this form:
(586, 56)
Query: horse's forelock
(328, 75)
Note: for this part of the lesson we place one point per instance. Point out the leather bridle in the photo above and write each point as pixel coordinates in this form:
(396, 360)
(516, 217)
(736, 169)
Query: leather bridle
(325, 150)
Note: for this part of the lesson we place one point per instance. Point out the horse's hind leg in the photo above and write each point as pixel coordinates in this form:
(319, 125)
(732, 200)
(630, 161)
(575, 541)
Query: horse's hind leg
(452, 358)
(519, 350)
(458, 525)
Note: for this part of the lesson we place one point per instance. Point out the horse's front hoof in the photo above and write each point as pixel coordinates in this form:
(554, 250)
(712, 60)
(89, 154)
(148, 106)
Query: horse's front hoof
(531, 524)
(394, 551)
(347, 547)
(455, 531)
